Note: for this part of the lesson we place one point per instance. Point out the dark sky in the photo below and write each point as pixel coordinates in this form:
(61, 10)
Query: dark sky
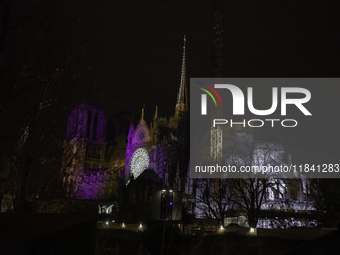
(135, 51)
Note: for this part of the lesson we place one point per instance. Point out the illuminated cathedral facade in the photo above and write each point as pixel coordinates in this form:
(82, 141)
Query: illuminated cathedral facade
(106, 152)
(103, 153)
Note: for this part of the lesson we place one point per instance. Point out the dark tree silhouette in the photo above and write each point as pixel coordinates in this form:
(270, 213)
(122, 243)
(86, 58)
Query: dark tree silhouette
(214, 198)
(42, 68)
(325, 194)
(249, 194)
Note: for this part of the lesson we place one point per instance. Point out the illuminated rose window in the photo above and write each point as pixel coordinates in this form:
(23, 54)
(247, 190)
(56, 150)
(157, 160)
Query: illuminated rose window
(139, 162)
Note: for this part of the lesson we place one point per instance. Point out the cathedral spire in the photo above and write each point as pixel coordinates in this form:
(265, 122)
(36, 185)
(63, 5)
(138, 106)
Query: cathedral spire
(181, 100)
(156, 112)
(142, 118)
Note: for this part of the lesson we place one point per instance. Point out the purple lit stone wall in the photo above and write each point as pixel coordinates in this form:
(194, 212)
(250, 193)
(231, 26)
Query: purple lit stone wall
(87, 121)
(90, 183)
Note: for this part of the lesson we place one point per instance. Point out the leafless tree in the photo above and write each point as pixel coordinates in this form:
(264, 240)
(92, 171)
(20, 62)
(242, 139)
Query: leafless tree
(39, 88)
(214, 198)
(249, 194)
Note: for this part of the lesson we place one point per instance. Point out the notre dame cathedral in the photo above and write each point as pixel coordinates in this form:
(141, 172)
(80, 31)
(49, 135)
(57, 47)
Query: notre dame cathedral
(105, 154)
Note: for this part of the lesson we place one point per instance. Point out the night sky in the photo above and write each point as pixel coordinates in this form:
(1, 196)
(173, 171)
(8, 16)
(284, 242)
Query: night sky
(135, 52)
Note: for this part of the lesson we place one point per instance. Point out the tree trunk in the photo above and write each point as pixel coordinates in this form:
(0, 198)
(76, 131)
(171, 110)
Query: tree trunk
(252, 219)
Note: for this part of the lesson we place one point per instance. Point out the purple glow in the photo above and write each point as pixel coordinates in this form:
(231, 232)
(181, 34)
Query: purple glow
(87, 121)
(90, 183)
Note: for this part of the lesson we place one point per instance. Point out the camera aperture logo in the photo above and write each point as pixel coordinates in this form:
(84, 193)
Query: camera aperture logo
(239, 104)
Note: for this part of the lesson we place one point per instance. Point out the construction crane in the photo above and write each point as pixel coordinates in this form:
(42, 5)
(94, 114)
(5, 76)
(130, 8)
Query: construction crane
(218, 37)
(216, 132)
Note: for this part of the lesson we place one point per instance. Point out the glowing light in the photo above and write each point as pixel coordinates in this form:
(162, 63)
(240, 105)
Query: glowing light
(252, 229)
(107, 223)
(123, 225)
(140, 225)
(113, 221)
(221, 227)
(139, 162)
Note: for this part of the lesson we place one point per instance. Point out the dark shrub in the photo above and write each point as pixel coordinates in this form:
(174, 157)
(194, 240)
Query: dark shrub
(152, 239)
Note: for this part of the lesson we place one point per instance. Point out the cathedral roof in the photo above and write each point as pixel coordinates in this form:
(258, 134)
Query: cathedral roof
(148, 177)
